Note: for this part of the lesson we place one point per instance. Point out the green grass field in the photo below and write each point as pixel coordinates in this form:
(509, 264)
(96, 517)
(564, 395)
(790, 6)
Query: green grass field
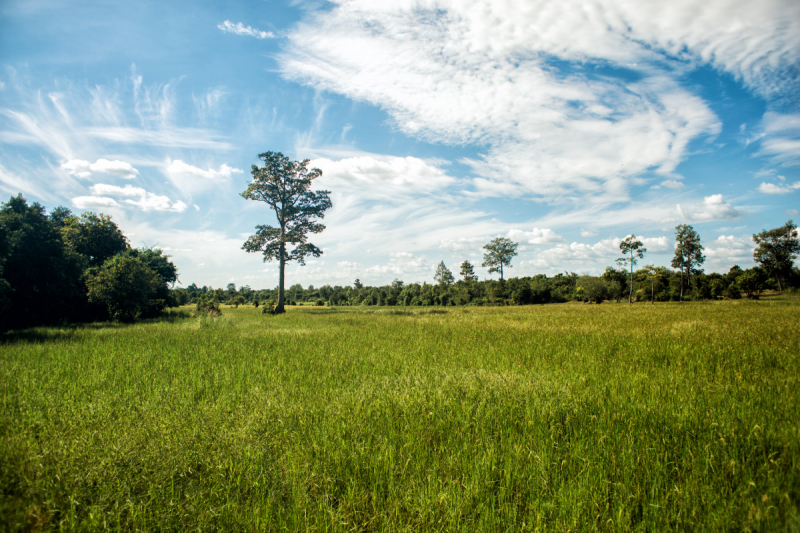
(670, 417)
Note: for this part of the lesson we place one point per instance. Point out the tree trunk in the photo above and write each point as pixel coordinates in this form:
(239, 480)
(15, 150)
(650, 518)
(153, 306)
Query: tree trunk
(630, 291)
(653, 290)
(501, 271)
(681, 283)
(279, 308)
(780, 287)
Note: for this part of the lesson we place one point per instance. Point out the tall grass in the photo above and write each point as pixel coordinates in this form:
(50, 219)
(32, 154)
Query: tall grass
(560, 417)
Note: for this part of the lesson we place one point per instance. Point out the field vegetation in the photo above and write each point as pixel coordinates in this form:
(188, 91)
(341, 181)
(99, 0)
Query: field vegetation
(666, 417)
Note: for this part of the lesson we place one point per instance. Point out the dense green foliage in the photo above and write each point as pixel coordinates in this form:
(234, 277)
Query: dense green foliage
(63, 268)
(668, 417)
(285, 186)
(657, 283)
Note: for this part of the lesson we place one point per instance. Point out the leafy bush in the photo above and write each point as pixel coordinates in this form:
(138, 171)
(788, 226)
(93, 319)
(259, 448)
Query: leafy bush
(208, 306)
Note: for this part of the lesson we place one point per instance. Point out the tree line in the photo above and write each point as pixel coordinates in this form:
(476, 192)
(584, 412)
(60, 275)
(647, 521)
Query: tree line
(775, 270)
(59, 267)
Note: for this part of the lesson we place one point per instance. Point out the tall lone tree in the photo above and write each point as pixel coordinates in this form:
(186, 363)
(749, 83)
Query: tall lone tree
(776, 251)
(688, 252)
(631, 248)
(499, 252)
(285, 186)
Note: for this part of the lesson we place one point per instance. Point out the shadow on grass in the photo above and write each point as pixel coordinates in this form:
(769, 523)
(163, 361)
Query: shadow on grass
(67, 331)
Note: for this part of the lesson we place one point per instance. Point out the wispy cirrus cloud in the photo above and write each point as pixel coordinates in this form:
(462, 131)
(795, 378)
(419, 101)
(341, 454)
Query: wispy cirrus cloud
(241, 29)
(512, 76)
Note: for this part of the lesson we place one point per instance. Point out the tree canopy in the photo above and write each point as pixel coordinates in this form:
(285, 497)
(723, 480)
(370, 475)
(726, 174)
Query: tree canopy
(776, 250)
(285, 186)
(443, 276)
(499, 252)
(688, 252)
(631, 249)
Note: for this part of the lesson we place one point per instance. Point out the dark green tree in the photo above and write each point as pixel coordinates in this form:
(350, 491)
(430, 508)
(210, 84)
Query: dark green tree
(631, 248)
(285, 186)
(688, 252)
(95, 237)
(125, 285)
(776, 251)
(40, 281)
(443, 276)
(499, 252)
(468, 272)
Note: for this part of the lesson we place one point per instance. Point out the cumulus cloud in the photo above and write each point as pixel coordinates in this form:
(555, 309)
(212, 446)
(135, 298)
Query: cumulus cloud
(713, 207)
(509, 75)
(135, 196)
(83, 169)
(91, 202)
(241, 29)
(535, 236)
(771, 188)
(728, 249)
(463, 244)
(404, 264)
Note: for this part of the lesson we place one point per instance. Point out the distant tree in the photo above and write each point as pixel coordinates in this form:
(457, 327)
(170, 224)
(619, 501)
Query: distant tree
(591, 289)
(499, 252)
(616, 280)
(443, 276)
(468, 272)
(238, 300)
(688, 252)
(357, 284)
(776, 251)
(95, 237)
(653, 273)
(285, 186)
(751, 282)
(125, 285)
(631, 248)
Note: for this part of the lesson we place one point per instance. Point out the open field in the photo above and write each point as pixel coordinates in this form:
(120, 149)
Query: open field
(558, 417)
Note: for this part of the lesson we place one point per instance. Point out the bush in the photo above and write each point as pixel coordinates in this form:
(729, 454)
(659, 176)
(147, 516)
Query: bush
(208, 306)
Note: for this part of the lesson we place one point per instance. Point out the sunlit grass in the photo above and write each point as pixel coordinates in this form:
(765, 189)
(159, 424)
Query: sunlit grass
(558, 417)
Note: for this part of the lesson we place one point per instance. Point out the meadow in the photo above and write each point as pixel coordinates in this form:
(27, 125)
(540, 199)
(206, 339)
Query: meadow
(612, 417)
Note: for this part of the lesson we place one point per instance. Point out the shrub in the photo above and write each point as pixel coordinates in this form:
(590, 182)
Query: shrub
(208, 306)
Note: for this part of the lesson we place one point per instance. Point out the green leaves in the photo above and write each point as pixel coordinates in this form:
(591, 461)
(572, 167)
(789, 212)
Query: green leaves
(499, 253)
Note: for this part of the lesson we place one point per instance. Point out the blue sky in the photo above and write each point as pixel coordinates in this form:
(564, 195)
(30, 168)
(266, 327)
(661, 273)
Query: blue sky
(438, 125)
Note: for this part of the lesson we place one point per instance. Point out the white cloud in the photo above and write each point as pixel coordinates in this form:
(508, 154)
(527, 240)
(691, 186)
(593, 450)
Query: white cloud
(145, 200)
(89, 202)
(535, 236)
(728, 249)
(771, 188)
(83, 169)
(128, 190)
(588, 233)
(381, 177)
(474, 72)
(462, 244)
(712, 208)
(178, 167)
(241, 29)
(154, 202)
(781, 138)
(672, 184)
